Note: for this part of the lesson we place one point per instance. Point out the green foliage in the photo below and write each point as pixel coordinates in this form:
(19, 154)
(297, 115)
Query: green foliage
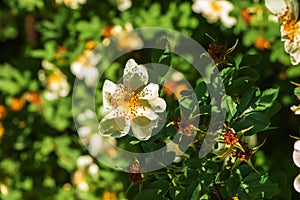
(39, 145)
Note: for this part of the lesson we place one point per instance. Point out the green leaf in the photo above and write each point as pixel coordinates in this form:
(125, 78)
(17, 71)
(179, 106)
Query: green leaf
(250, 60)
(162, 55)
(232, 185)
(222, 176)
(297, 92)
(231, 108)
(227, 75)
(162, 185)
(201, 91)
(267, 99)
(258, 185)
(177, 193)
(293, 72)
(204, 197)
(239, 86)
(258, 120)
(250, 72)
(149, 194)
(248, 99)
(134, 142)
(186, 103)
(197, 192)
(206, 179)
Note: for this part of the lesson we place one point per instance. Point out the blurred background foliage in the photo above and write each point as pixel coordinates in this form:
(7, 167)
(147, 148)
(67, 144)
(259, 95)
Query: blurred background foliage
(41, 155)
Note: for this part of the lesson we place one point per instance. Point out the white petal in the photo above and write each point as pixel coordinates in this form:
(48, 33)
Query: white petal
(140, 112)
(130, 65)
(64, 88)
(49, 95)
(149, 92)
(158, 105)
(228, 21)
(109, 88)
(297, 145)
(142, 127)
(295, 109)
(226, 6)
(200, 6)
(296, 158)
(277, 7)
(295, 57)
(297, 183)
(135, 75)
(111, 124)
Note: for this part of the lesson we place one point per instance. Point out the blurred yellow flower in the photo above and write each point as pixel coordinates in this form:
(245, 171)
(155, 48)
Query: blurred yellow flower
(109, 196)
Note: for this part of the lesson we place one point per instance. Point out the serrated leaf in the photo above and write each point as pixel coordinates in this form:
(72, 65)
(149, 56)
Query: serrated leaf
(258, 185)
(267, 99)
(258, 120)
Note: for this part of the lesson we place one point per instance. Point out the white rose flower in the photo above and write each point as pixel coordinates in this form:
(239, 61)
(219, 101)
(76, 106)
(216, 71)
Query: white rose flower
(132, 104)
(287, 12)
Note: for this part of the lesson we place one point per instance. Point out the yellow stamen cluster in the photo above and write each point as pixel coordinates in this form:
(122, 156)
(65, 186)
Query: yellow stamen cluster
(288, 25)
(126, 99)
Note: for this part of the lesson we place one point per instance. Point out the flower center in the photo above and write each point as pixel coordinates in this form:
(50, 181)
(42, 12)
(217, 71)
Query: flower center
(290, 29)
(215, 6)
(54, 78)
(288, 25)
(126, 102)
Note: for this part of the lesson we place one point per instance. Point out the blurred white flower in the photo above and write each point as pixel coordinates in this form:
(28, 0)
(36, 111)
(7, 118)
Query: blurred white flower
(296, 159)
(133, 103)
(93, 169)
(287, 12)
(3, 189)
(295, 109)
(213, 10)
(56, 83)
(84, 68)
(126, 38)
(84, 161)
(74, 4)
(123, 5)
